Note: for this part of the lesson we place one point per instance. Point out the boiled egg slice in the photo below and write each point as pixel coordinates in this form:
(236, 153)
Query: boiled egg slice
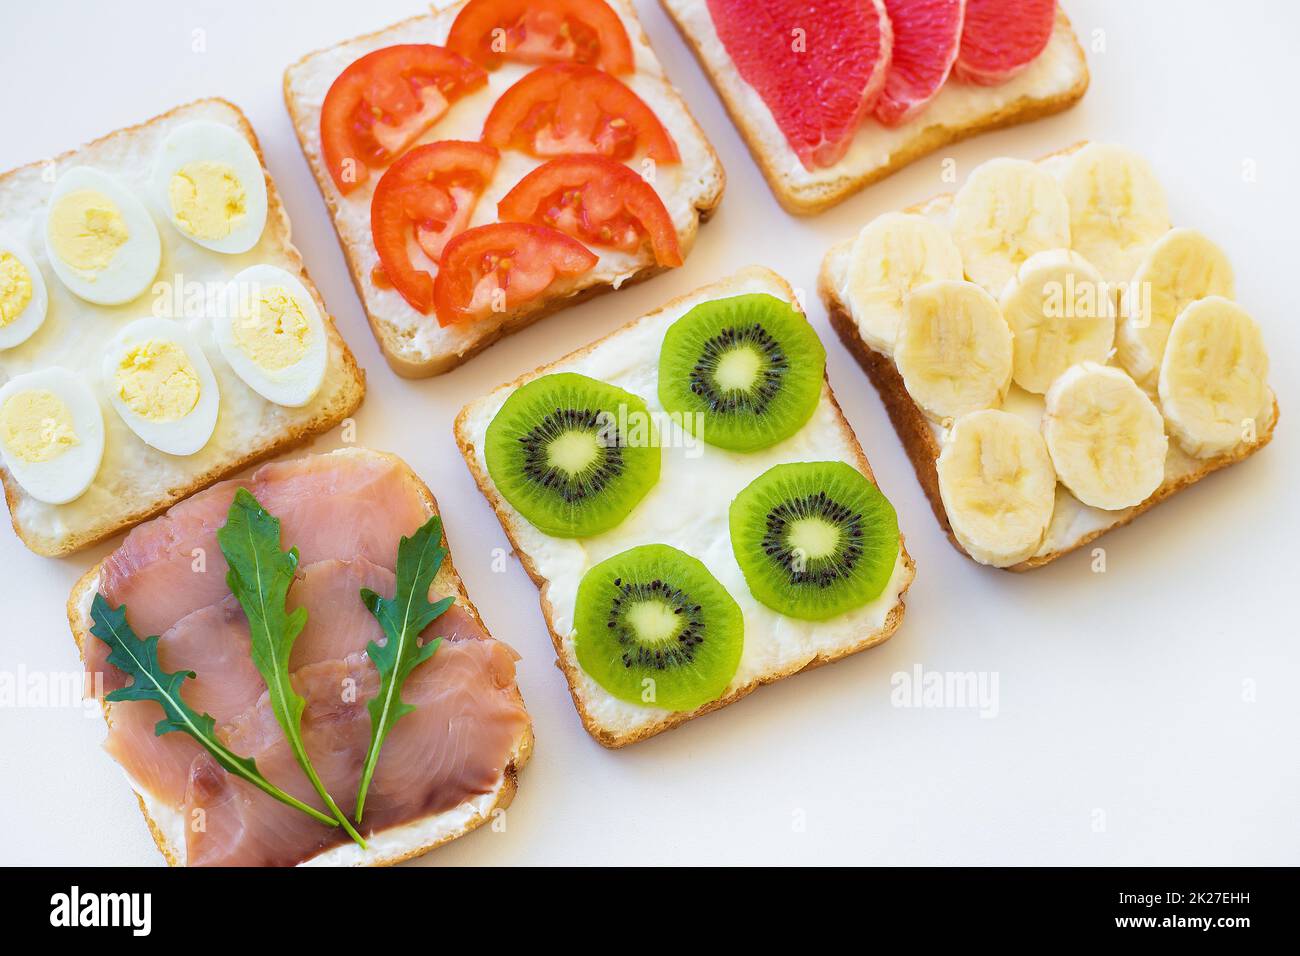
(211, 184)
(100, 239)
(160, 383)
(271, 333)
(51, 434)
(23, 297)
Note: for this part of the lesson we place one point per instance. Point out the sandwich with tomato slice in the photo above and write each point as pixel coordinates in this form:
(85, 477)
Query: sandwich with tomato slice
(492, 162)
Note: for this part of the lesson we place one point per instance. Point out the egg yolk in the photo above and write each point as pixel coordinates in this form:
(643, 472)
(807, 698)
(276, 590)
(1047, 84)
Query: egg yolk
(15, 288)
(86, 230)
(274, 333)
(157, 381)
(207, 199)
(36, 425)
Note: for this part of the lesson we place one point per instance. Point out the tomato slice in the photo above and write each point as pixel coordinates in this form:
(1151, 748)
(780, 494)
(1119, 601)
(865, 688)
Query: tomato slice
(517, 259)
(428, 194)
(566, 108)
(596, 200)
(384, 101)
(542, 31)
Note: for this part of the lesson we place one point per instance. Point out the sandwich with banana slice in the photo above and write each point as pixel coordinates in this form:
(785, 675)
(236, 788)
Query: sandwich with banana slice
(1056, 357)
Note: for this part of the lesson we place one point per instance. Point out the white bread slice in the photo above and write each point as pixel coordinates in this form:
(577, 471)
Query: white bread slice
(686, 509)
(1054, 82)
(414, 344)
(136, 482)
(387, 846)
(1074, 524)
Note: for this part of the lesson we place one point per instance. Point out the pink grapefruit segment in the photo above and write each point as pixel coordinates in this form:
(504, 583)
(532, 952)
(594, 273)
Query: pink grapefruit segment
(1002, 37)
(927, 35)
(819, 66)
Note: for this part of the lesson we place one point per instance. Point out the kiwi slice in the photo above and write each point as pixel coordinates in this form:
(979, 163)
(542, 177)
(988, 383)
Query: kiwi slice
(814, 539)
(744, 372)
(572, 454)
(655, 627)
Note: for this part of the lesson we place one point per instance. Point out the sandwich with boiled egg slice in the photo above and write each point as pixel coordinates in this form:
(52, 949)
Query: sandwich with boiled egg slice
(158, 330)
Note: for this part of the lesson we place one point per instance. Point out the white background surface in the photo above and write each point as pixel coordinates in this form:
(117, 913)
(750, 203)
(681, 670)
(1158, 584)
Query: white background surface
(1145, 715)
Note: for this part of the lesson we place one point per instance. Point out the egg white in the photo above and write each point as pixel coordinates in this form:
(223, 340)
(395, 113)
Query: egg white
(201, 141)
(294, 385)
(31, 318)
(187, 434)
(66, 477)
(133, 266)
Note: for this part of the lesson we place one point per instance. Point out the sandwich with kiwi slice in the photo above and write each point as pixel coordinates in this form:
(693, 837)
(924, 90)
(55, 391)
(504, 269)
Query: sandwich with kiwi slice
(694, 508)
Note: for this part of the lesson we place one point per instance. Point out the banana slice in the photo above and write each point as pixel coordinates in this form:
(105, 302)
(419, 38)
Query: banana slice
(953, 349)
(1008, 210)
(1117, 208)
(1180, 268)
(998, 486)
(1060, 312)
(892, 255)
(1214, 378)
(1106, 437)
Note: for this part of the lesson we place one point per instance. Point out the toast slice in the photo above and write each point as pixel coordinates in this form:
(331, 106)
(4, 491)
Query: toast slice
(389, 846)
(688, 510)
(415, 345)
(1054, 82)
(135, 481)
(1074, 524)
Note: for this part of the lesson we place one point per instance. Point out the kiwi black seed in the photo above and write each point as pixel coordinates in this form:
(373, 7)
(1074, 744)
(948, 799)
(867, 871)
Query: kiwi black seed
(572, 454)
(814, 539)
(654, 627)
(744, 372)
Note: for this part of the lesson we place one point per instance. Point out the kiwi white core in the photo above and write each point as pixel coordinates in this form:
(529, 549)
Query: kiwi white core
(813, 538)
(738, 369)
(572, 452)
(654, 621)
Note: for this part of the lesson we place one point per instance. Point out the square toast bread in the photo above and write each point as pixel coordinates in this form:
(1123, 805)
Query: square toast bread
(923, 446)
(396, 844)
(414, 344)
(615, 723)
(1052, 83)
(136, 482)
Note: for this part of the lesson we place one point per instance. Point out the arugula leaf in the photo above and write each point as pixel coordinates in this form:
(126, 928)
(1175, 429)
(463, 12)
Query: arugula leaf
(402, 617)
(259, 576)
(138, 659)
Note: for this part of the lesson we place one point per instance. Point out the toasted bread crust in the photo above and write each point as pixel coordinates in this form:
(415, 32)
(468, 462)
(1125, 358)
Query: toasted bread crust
(570, 669)
(401, 358)
(448, 577)
(814, 198)
(923, 448)
(345, 403)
